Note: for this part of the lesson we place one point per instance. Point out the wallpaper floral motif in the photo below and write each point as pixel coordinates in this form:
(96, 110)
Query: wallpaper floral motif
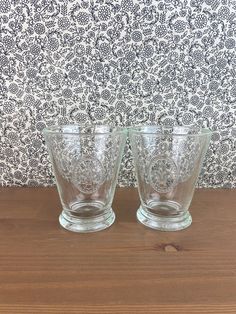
(121, 62)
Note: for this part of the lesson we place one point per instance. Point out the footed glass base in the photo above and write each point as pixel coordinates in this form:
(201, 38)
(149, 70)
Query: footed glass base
(88, 224)
(164, 223)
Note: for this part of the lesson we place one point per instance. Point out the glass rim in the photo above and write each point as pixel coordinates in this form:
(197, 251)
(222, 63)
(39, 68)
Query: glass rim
(58, 129)
(139, 130)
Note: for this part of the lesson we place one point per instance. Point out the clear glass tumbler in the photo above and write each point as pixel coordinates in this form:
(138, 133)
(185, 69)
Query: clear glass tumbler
(167, 163)
(86, 161)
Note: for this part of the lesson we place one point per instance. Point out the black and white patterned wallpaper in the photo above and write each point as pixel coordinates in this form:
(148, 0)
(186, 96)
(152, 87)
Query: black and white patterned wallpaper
(124, 62)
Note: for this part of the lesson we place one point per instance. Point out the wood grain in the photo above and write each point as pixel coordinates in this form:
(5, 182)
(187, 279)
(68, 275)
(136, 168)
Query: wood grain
(127, 268)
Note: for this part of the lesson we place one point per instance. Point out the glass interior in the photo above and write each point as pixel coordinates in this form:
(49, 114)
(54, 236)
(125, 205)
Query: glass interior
(83, 129)
(175, 130)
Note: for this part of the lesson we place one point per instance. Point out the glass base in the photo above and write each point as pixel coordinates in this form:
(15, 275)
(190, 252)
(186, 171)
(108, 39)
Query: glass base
(174, 223)
(85, 225)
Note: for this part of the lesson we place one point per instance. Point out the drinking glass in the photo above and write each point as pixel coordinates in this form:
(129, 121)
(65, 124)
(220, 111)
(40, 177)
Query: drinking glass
(86, 160)
(167, 163)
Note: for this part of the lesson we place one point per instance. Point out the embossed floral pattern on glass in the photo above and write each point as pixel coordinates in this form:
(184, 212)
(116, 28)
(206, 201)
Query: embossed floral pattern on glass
(167, 163)
(86, 162)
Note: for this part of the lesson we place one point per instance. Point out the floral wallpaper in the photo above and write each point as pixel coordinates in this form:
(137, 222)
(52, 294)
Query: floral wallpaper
(121, 62)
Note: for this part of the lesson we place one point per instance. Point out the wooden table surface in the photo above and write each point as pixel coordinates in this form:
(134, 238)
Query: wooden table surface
(127, 268)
